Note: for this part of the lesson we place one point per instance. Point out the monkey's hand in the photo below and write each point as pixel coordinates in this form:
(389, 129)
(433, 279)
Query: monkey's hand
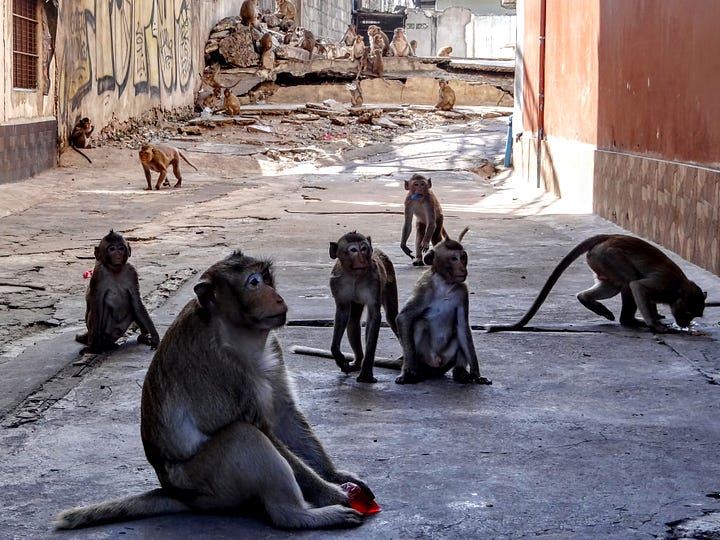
(149, 339)
(462, 376)
(406, 251)
(407, 377)
(344, 477)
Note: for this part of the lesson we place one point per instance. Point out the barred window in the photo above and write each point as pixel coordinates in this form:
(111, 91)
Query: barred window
(25, 44)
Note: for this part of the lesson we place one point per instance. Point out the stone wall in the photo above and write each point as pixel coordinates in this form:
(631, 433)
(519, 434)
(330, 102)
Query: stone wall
(26, 149)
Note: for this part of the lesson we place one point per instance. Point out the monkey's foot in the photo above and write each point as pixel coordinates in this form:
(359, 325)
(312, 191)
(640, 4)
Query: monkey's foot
(407, 377)
(418, 262)
(632, 322)
(366, 378)
(462, 376)
(178, 185)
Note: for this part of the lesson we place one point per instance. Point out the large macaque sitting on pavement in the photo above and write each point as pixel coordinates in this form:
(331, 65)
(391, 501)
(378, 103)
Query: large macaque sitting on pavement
(639, 272)
(219, 422)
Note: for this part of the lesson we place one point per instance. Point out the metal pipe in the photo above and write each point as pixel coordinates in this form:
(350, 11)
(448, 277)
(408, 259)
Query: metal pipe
(541, 90)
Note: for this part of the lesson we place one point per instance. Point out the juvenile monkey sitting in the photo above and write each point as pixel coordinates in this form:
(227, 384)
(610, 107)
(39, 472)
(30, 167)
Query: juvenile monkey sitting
(446, 96)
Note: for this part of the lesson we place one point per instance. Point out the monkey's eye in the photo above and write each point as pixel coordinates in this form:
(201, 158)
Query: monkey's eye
(254, 280)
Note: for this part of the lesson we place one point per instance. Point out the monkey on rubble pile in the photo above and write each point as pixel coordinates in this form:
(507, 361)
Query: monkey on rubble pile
(80, 136)
(286, 10)
(249, 13)
(445, 51)
(113, 300)
(348, 38)
(399, 45)
(642, 274)
(158, 158)
(433, 325)
(359, 53)
(421, 203)
(362, 276)
(232, 105)
(356, 96)
(219, 422)
(446, 96)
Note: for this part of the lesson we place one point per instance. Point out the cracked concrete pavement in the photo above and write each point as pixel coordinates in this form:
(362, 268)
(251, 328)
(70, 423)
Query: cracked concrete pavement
(589, 430)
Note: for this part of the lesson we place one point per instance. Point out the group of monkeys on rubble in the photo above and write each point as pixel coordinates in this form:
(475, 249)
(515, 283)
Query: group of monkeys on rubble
(219, 422)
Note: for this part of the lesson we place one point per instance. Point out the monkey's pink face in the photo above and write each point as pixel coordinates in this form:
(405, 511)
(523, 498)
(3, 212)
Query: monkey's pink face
(358, 256)
(419, 188)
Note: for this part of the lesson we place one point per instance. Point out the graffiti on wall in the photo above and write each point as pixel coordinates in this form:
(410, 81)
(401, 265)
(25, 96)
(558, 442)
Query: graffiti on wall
(121, 46)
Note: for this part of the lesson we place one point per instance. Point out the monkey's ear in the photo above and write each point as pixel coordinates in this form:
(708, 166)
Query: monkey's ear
(429, 182)
(97, 253)
(369, 241)
(407, 185)
(205, 293)
(333, 250)
(129, 249)
(429, 257)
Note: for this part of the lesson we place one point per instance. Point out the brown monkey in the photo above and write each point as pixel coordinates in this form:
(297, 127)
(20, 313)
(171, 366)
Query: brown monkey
(219, 423)
(348, 38)
(159, 157)
(249, 13)
(374, 30)
(214, 100)
(377, 66)
(80, 136)
(113, 299)
(356, 96)
(231, 104)
(307, 40)
(413, 46)
(361, 277)
(359, 53)
(642, 274)
(446, 96)
(445, 51)
(265, 43)
(433, 325)
(399, 45)
(422, 203)
(286, 10)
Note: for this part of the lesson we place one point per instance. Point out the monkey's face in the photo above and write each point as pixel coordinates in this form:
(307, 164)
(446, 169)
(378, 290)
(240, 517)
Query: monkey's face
(145, 156)
(356, 257)
(116, 255)
(418, 186)
(451, 264)
(691, 304)
(242, 294)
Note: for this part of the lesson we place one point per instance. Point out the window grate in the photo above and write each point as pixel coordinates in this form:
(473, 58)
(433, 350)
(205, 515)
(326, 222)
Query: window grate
(25, 44)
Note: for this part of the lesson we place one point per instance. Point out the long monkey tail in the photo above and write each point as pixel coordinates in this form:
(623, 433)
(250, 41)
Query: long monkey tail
(151, 503)
(187, 160)
(583, 247)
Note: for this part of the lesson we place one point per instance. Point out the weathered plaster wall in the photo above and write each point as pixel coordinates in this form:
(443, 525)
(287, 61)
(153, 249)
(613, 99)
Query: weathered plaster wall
(326, 18)
(120, 59)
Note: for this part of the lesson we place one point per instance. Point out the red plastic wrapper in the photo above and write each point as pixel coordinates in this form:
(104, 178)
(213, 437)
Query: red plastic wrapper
(87, 274)
(359, 500)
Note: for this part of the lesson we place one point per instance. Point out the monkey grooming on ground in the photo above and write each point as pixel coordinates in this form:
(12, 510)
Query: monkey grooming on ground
(421, 203)
(399, 45)
(219, 422)
(362, 277)
(445, 51)
(642, 274)
(446, 96)
(80, 136)
(113, 300)
(433, 325)
(158, 158)
(231, 103)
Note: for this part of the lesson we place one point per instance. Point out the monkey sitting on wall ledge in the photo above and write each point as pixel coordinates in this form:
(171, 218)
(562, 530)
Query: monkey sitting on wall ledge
(219, 422)
(113, 299)
(642, 274)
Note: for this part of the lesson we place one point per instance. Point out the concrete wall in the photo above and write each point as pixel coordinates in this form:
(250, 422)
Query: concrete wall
(326, 18)
(628, 115)
(470, 35)
(478, 7)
